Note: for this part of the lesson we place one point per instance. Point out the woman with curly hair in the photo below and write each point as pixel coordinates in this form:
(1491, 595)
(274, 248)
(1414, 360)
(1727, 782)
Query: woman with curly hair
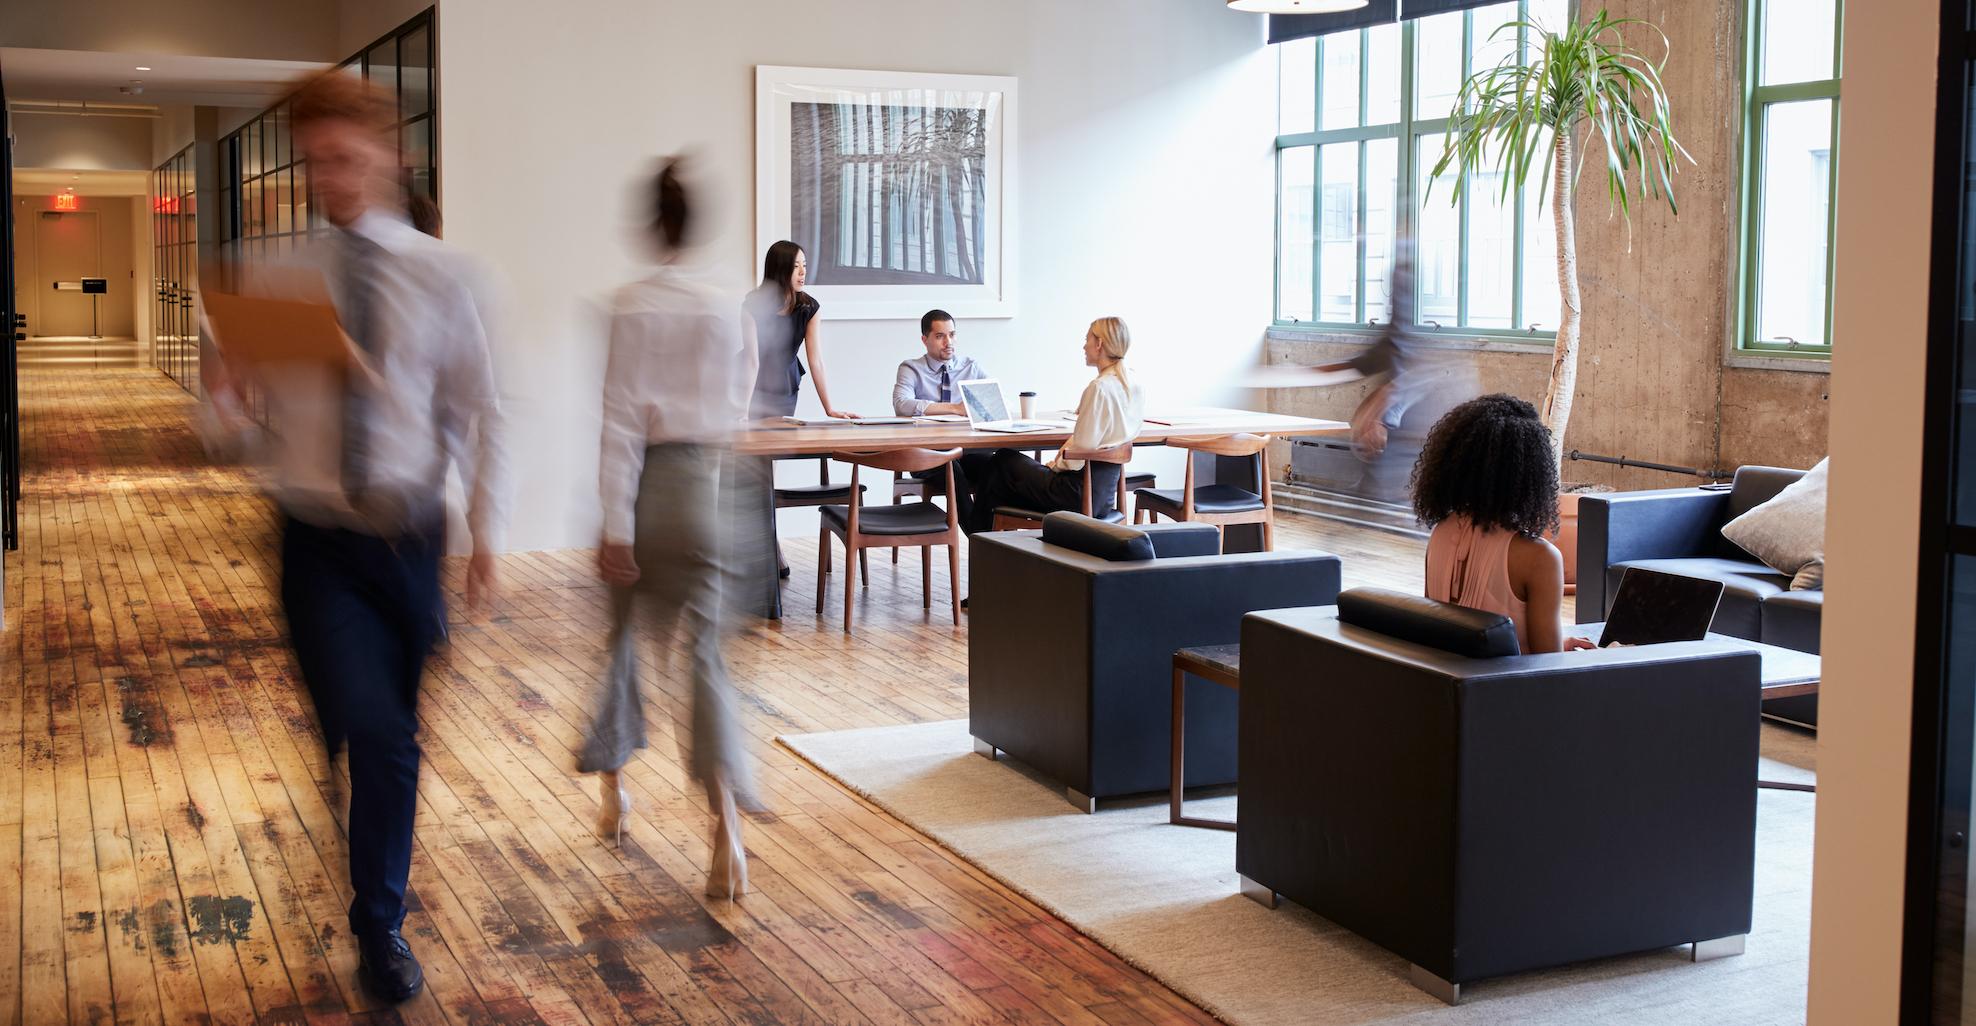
(1486, 482)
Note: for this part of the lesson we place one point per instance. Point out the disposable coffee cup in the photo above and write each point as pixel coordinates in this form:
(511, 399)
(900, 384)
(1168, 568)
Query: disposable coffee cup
(1027, 402)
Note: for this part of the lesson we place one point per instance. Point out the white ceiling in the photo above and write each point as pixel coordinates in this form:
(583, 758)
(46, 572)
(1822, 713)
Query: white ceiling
(173, 79)
(85, 183)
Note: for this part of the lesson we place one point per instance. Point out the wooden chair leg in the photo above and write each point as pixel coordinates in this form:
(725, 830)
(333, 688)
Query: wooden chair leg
(925, 575)
(954, 577)
(864, 565)
(822, 565)
(1268, 534)
(896, 500)
(850, 581)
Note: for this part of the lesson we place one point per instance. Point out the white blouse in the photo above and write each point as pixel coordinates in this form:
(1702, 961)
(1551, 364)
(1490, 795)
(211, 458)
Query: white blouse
(682, 365)
(1109, 414)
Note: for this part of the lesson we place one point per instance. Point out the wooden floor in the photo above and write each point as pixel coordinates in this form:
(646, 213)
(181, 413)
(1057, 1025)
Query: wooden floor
(175, 833)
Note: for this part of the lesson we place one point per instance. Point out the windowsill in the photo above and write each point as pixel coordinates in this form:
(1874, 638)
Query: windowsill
(1365, 336)
(1749, 359)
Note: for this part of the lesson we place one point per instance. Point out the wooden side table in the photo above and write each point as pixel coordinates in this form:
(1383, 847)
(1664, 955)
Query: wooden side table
(1217, 664)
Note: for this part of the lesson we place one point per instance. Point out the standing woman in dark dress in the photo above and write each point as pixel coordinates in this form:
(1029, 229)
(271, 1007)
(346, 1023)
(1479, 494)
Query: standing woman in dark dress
(785, 322)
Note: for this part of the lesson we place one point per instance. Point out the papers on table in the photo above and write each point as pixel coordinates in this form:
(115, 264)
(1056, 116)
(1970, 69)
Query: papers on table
(840, 421)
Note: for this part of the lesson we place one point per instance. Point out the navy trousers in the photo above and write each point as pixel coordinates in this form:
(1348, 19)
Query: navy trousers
(364, 612)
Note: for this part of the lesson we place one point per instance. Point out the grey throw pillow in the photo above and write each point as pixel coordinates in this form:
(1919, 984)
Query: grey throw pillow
(1788, 532)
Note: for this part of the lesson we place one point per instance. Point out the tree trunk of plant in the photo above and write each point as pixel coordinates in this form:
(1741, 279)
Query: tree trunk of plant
(1564, 358)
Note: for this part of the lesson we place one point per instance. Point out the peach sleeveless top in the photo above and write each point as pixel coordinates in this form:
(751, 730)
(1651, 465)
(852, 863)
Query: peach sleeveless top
(1469, 566)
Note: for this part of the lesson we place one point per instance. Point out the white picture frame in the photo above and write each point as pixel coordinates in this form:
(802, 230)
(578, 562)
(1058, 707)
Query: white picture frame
(905, 200)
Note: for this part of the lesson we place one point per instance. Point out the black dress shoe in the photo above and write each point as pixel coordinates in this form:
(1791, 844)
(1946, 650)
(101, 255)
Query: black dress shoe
(388, 968)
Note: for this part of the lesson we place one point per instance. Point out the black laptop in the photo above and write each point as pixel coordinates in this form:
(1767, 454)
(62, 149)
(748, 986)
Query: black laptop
(1654, 607)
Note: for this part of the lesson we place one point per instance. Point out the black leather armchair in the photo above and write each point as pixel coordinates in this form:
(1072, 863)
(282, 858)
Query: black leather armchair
(1679, 531)
(1486, 816)
(1071, 639)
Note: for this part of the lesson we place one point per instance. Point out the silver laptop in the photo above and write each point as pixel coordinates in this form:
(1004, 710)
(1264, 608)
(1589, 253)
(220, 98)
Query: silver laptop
(987, 411)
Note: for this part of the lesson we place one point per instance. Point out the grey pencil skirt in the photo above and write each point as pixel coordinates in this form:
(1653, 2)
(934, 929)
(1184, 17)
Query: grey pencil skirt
(683, 555)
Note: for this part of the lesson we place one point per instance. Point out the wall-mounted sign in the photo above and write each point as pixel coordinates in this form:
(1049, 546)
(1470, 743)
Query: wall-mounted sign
(67, 201)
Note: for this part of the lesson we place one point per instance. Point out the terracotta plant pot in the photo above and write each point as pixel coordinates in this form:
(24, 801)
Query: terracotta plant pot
(1566, 539)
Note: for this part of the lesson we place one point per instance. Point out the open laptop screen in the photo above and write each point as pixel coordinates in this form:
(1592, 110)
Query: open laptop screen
(983, 397)
(1653, 607)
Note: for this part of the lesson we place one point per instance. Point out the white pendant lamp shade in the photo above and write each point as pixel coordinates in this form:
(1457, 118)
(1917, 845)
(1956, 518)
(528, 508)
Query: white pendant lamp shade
(1295, 6)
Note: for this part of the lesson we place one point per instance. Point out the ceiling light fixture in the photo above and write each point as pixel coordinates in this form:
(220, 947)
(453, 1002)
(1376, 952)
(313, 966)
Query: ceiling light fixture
(1295, 6)
(142, 68)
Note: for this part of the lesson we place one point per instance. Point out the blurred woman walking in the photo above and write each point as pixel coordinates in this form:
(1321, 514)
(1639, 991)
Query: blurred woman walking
(682, 368)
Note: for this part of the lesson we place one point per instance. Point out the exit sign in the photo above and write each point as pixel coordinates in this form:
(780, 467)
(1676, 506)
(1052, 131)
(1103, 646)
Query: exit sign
(67, 201)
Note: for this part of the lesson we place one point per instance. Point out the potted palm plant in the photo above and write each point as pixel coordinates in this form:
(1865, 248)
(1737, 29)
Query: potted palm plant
(1584, 92)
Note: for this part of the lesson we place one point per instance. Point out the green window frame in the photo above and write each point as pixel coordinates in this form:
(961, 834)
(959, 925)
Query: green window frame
(1409, 131)
(1759, 101)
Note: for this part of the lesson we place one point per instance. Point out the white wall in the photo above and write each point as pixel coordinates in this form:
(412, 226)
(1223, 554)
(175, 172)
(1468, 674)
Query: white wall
(1884, 222)
(74, 143)
(1146, 187)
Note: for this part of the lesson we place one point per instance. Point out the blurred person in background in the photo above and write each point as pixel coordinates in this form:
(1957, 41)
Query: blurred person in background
(424, 215)
(359, 457)
(1413, 386)
(681, 370)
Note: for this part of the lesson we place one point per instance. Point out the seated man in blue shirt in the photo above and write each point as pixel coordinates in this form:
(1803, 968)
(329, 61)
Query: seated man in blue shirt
(930, 385)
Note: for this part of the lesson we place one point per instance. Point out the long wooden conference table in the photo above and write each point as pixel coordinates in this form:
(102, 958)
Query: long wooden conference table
(782, 439)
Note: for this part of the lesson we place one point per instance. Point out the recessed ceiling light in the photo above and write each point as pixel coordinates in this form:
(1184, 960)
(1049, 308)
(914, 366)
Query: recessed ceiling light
(141, 67)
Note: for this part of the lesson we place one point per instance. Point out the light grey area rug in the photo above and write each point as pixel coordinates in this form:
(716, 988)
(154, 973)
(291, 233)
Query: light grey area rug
(1165, 898)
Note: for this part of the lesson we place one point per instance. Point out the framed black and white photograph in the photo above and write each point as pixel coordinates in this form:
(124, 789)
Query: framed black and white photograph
(899, 185)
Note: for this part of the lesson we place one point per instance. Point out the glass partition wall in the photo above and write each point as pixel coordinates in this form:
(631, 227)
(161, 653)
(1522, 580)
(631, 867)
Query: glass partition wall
(264, 183)
(175, 271)
(264, 206)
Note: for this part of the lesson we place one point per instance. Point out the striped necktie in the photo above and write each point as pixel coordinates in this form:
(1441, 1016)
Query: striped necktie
(360, 257)
(946, 384)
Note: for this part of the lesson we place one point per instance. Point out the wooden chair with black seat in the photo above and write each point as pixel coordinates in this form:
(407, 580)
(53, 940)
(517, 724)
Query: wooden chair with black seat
(1217, 504)
(823, 493)
(1014, 518)
(919, 525)
(905, 486)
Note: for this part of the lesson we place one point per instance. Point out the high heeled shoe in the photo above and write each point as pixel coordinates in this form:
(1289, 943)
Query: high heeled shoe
(728, 877)
(617, 807)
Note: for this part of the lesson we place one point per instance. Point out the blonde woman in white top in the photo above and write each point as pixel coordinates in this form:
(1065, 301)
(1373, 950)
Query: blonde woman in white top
(1111, 412)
